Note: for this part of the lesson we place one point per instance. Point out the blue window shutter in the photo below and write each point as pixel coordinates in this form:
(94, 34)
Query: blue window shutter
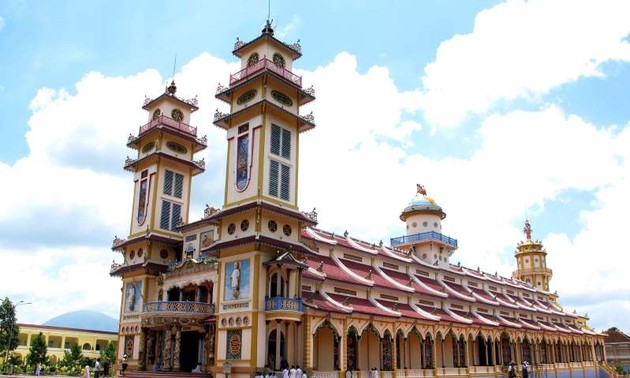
(166, 215)
(273, 178)
(168, 183)
(177, 213)
(286, 144)
(275, 140)
(285, 178)
(179, 185)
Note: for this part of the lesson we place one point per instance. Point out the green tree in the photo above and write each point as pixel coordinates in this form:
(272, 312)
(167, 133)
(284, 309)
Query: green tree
(37, 353)
(72, 361)
(108, 356)
(9, 329)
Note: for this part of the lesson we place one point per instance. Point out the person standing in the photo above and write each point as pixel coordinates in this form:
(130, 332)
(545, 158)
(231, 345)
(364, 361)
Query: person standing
(97, 368)
(38, 369)
(285, 372)
(525, 370)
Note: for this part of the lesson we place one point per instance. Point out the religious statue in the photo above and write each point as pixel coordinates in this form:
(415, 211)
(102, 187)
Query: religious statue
(235, 278)
(528, 230)
(420, 189)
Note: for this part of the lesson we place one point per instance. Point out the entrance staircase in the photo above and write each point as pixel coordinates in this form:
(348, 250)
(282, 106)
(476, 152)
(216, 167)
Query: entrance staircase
(162, 374)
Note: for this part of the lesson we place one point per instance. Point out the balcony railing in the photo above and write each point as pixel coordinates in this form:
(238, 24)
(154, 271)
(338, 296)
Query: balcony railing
(265, 64)
(180, 307)
(424, 236)
(284, 304)
(171, 123)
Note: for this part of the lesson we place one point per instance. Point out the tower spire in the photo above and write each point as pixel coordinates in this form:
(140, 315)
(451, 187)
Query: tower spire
(528, 229)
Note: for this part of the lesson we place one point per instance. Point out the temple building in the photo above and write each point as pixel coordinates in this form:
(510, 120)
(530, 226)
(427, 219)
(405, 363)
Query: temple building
(255, 285)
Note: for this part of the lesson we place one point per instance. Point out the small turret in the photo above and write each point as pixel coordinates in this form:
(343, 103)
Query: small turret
(531, 261)
(423, 218)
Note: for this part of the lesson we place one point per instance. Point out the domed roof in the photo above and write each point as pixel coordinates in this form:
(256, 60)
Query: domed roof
(422, 203)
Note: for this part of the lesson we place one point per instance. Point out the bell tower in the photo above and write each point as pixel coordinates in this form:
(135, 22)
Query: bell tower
(163, 170)
(531, 261)
(260, 253)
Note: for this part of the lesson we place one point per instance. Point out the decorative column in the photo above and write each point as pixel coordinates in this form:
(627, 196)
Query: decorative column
(178, 339)
(142, 353)
(442, 350)
(494, 352)
(308, 344)
(278, 338)
(150, 347)
(168, 341)
(467, 353)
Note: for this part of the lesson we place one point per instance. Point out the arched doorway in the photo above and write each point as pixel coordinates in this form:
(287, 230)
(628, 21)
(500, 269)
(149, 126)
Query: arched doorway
(326, 348)
(276, 347)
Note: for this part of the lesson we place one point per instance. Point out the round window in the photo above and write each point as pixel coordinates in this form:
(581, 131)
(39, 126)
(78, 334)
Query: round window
(272, 225)
(132, 254)
(414, 224)
(424, 224)
(156, 113)
(163, 253)
(287, 230)
(140, 252)
(244, 225)
(177, 115)
(435, 224)
(231, 228)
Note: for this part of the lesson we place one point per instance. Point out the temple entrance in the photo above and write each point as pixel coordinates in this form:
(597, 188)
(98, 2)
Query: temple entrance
(189, 351)
(276, 351)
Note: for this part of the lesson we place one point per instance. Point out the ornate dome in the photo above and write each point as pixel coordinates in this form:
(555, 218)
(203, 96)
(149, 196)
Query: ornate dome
(422, 203)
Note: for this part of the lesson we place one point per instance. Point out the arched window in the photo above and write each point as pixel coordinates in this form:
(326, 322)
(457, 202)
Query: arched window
(278, 60)
(87, 346)
(253, 59)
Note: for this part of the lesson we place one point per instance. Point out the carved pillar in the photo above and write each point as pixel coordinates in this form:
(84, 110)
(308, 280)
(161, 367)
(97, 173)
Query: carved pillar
(308, 343)
(158, 347)
(168, 342)
(467, 352)
(150, 348)
(277, 351)
(178, 339)
(142, 352)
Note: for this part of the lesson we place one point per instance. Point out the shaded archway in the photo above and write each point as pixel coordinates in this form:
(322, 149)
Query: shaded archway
(326, 348)
(352, 344)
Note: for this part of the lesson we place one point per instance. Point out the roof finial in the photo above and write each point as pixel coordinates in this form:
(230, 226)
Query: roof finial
(528, 229)
(421, 190)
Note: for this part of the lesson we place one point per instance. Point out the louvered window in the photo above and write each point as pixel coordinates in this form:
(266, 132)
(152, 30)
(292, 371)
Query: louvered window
(273, 178)
(173, 184)
(171, 212)
(284, 182)
(279, 180)
(280, 141)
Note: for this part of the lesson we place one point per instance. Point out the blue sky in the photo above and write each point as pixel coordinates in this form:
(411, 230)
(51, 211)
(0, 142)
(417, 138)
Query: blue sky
(501, 109)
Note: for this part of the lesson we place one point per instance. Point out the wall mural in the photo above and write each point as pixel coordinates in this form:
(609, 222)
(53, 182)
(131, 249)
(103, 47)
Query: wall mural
(242, 162)
(133, 296)
(236, 280)
(234, 344)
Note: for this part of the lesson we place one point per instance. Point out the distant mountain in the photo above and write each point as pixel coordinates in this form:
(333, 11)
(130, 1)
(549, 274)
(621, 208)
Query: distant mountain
(85, 319)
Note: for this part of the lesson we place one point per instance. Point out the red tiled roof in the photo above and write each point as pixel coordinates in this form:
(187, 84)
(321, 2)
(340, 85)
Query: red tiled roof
(445, 317)
(401, 278)
(617, 337)
(361, 305)
(332, 271)
(433, 284)
(486, 298)
(469, 316)
(317, 301)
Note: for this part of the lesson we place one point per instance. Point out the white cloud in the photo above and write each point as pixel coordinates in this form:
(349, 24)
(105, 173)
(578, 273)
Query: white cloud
(520, 50)
(289, 27)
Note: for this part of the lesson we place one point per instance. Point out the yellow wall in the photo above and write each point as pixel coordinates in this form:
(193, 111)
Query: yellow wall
(59, 339)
